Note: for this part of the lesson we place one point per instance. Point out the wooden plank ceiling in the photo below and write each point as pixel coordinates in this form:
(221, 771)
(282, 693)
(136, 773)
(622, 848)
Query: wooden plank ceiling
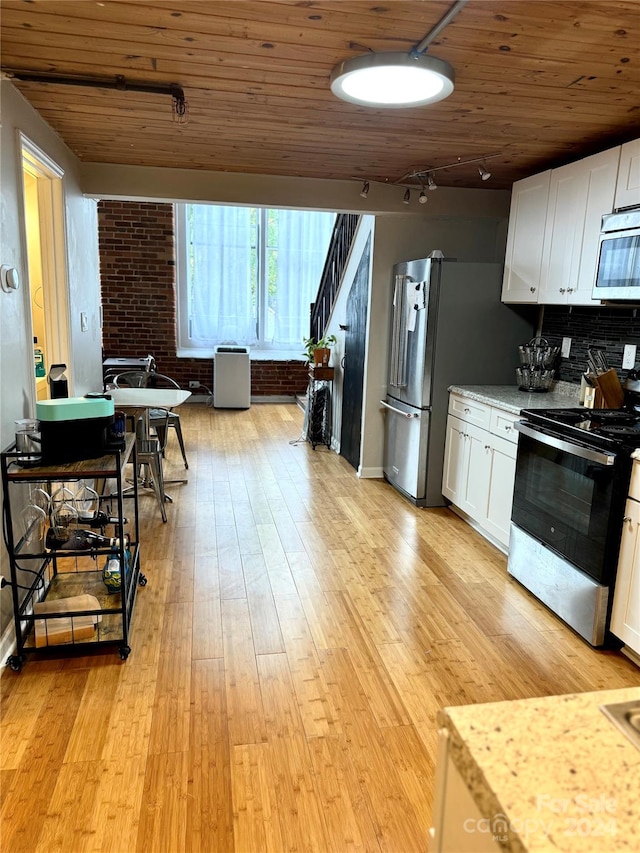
(537, 83)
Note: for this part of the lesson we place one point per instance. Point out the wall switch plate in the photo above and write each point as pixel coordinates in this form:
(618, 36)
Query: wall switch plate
(84, 325)
(629, 357)
(193, 383)
(566, 347)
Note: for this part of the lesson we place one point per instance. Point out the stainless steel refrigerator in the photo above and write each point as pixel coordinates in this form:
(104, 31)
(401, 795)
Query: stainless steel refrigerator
(448, 327)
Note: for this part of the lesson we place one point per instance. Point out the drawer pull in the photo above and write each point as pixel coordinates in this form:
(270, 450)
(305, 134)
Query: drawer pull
(508, 427)
(466, 410)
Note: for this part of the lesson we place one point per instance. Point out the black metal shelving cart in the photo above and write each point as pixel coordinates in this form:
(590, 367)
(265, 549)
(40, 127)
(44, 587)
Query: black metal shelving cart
(63, 600)
(318, 415)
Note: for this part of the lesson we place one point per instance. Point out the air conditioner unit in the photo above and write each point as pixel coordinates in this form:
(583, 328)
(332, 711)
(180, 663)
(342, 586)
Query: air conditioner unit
(232, 378)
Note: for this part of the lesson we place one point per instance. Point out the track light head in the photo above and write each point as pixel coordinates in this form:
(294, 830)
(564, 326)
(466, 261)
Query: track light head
(407, 197)
(364, 192)
(484, 174)
(422, 197)
(431, 181)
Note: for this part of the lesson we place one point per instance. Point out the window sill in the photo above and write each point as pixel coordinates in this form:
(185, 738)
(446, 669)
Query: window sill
(254, 354)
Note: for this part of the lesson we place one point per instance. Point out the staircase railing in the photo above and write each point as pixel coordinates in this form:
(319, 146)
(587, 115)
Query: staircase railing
(343, 233)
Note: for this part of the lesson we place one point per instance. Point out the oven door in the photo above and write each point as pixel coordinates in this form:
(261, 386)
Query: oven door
(570, 497)
(618, 274)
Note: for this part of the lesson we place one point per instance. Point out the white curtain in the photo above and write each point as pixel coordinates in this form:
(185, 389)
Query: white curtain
(303, 241)
(221, 304)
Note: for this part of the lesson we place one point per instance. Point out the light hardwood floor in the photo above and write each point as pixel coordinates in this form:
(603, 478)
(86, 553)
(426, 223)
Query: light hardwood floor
(299, 631)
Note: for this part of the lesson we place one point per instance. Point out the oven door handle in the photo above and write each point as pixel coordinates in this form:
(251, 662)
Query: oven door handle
(589, 453)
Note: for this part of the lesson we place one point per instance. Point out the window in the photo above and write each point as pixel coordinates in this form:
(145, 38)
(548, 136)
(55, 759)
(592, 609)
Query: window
(247, 275)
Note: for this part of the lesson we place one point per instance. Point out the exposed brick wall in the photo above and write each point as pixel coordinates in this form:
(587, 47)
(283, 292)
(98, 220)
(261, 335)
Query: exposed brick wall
(137, 272)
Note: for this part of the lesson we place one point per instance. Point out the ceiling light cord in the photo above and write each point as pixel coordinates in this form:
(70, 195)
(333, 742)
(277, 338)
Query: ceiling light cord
(397, 79)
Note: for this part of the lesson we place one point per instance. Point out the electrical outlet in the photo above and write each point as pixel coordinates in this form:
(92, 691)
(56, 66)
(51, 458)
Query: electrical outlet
(566, 347)
(193, 383)
(629, 357)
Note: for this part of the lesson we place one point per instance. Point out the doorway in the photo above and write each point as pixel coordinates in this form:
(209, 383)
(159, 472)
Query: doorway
(43, 205)
(354, 361)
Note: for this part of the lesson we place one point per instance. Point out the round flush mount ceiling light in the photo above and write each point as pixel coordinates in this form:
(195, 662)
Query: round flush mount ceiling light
(393, 79)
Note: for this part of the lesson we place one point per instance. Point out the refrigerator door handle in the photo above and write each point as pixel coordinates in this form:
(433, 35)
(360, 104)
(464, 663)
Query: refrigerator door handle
(397, 375)
(399, 411)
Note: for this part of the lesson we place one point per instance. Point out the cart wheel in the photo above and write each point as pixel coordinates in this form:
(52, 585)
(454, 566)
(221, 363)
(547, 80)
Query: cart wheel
(15, 662)
(142, 580)
(125, 651)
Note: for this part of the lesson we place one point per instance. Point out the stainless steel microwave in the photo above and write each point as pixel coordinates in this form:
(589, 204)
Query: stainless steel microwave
(618, 273)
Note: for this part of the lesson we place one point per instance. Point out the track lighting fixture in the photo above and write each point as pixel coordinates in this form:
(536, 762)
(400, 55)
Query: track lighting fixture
(407, 197)
(428, 174)
(364, 192)
(422, 197)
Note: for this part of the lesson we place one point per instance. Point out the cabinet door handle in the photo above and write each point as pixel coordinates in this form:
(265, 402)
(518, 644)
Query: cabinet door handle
(508, 427)
(532, 289)
(563, 290)
(569, 290)
(627, 518)
(487, 447)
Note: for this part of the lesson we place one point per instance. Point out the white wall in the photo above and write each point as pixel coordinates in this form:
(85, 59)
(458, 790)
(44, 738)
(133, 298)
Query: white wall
(16, 345)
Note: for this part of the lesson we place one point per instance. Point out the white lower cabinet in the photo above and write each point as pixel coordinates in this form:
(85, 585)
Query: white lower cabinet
(625, 615)
(458, 825)
(479, 467)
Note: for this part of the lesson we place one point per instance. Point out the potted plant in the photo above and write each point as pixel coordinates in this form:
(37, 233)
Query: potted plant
(319, 352)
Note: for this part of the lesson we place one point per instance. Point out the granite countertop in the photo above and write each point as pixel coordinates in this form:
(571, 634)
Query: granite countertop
(550, 774)
(508, 397)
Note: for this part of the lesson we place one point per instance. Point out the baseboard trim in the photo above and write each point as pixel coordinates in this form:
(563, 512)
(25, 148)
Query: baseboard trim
(472, 523)
(633, 656)
(7, 644)
(371, 473)
(276, 398)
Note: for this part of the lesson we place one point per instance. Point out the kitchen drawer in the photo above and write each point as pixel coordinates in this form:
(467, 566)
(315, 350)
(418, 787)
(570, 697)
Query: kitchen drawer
(470, 411)
(502, 424)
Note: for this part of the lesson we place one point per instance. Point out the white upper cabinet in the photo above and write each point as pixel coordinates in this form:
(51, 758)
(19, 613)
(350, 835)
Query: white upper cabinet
(525, 239)
(579, 195)
(628, 187)
(554, 225)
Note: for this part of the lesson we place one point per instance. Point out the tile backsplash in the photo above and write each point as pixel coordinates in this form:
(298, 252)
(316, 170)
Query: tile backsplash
(601, 326)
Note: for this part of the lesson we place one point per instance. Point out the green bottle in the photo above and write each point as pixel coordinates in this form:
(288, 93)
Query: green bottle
(38, 357)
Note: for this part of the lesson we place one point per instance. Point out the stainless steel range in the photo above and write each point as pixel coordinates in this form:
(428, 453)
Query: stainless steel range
(572, 476)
